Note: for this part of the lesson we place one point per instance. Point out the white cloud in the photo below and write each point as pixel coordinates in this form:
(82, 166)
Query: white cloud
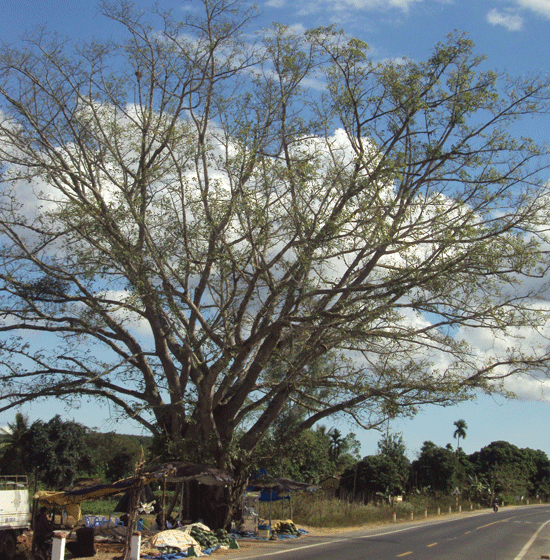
(541, 7)
(508, 19)
(511, 19)
(377, 4)
(529, 388)
(344, 5)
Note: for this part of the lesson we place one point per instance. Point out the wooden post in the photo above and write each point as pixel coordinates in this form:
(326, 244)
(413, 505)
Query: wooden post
(163, 511)
(135, 545)
(58, 546)
(133, 504)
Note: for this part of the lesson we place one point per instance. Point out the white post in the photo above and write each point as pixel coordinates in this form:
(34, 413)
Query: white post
(58, 546)
(135, 545)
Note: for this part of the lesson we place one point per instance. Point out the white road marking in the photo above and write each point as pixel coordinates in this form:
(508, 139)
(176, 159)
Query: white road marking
(530, 542)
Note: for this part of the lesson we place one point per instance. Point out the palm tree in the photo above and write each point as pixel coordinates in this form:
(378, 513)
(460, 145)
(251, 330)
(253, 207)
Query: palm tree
(460, 432)
(12, 445)
(336, 442)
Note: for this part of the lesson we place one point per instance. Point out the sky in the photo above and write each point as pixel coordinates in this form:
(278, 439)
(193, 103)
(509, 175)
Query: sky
(515, 37)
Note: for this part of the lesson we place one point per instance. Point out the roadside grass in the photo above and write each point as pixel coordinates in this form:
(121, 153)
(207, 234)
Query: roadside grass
(316, 510)
(100, 508)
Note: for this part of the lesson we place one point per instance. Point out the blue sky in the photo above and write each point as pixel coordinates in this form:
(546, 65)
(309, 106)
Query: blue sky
(515, 37)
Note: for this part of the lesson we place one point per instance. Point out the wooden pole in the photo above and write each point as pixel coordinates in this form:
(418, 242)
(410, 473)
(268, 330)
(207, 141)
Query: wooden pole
(163, 514)
(133, 504)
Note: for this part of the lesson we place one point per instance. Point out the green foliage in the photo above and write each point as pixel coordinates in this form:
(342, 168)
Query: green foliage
(460, 431)
(120, 466)
(114, 456)
(100, 508)
(385, 474)
(510, 471)
(393, 447)
(59, 451)
(499, 469)
(434, 468)
(310, 456)
(56, 451)
(13, 451)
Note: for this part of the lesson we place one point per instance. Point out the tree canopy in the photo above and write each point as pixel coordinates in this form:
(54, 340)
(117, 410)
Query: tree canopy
(200, 230)
(385, 474)
(55, 452)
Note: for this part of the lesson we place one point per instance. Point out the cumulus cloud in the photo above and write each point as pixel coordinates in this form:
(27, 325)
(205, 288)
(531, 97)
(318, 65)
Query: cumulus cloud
(529, 388)
(541, 7)
(342, 5)
(511, 20)
(377, 4)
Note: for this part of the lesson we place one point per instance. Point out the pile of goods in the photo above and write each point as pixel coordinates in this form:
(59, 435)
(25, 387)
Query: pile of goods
(286, 528)
(208, 539)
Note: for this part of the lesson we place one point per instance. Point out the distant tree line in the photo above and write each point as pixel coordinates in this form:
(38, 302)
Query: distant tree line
(57, 452)
(500, 470)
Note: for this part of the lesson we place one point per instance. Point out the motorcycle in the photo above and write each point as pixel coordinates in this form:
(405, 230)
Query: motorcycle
(495, 507)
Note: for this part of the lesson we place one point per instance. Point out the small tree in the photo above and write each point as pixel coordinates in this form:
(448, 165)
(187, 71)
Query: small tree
(57, 452)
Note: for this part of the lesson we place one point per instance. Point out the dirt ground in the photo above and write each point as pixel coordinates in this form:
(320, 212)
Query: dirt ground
(104, 551)
(115, 551)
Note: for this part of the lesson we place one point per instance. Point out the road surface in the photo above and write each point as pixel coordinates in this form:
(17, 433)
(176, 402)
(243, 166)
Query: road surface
(515, 533)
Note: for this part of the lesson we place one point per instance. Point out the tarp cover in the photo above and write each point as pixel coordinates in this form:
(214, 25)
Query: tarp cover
(279, 485)
(171, 472)
(173, 538)
(179, 472)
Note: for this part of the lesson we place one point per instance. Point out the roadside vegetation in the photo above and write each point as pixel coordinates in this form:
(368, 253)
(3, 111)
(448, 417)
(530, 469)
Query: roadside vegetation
(351, 490)
(314, 510)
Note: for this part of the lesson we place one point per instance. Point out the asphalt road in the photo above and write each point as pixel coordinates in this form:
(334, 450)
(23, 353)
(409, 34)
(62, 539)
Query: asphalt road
(516, 533)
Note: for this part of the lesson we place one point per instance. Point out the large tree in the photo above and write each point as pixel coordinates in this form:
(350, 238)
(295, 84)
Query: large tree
(510, 471)
(191, 223)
